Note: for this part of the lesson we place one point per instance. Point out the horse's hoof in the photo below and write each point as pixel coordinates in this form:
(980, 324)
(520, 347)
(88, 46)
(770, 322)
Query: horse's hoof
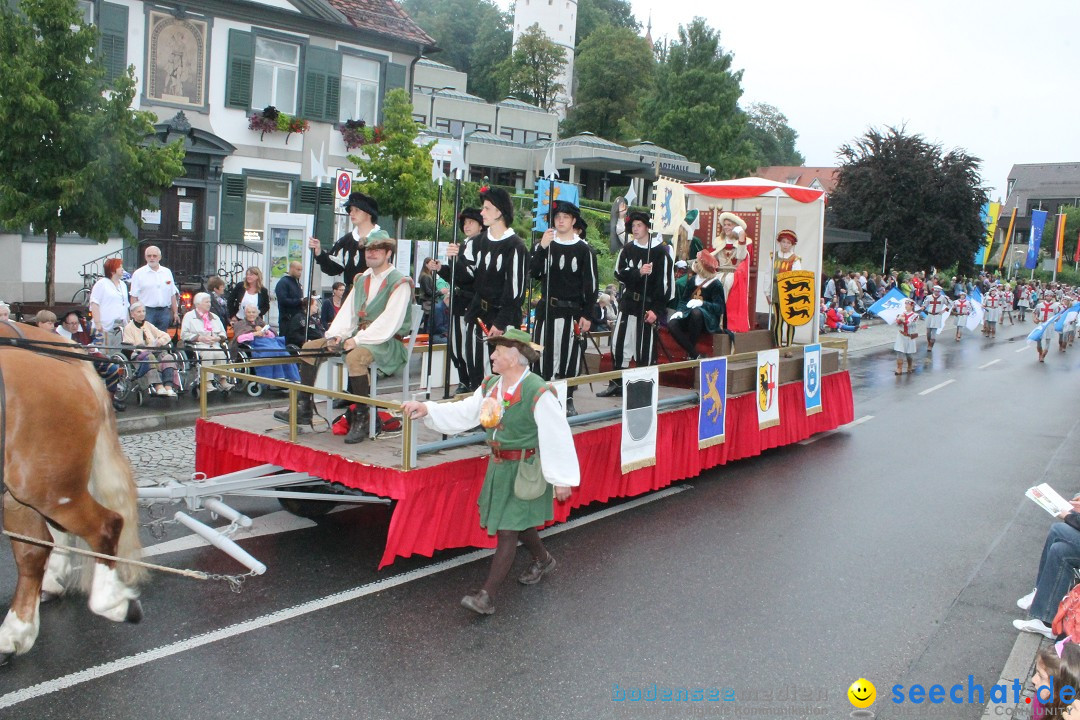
(48, 597)
(134, 612)
(5, 658)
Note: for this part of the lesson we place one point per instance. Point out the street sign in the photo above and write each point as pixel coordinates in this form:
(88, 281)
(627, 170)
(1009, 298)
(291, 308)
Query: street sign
(343, 186)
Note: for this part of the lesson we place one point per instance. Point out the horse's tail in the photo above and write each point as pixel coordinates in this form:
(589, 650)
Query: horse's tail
(112, 482)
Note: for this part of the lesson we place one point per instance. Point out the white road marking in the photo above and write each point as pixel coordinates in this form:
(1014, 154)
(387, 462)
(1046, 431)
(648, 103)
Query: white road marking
(937, 387)
(1023, 349)
(126, 663)
(992, 362)
(827, 433)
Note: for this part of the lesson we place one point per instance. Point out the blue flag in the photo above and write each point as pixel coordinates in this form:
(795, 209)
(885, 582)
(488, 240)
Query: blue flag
(889, 306)
(1036, 335)
(976, 295)
(1038, 222)
(1059, 326)
(562, 191)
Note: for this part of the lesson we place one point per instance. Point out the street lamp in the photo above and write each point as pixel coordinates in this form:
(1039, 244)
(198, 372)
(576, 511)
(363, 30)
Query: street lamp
(710, 171)
(431, 109)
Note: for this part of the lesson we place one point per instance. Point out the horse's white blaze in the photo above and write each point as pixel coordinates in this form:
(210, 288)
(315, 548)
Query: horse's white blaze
(63, 501)
(18, 636)
(108, 596)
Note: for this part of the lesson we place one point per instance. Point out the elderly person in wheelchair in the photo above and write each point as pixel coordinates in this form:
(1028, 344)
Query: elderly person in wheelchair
(204, 337)
(158, 366)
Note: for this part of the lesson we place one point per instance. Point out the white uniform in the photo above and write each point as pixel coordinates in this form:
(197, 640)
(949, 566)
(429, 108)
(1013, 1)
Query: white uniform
(937, 309)
(905, 328)
(961, 309)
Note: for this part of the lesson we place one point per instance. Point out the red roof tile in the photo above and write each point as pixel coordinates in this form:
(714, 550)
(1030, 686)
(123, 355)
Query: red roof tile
(799, 175)
(385, 17)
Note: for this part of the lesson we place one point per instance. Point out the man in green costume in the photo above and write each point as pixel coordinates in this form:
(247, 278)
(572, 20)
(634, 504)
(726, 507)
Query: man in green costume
(373, 319)
(526, 427)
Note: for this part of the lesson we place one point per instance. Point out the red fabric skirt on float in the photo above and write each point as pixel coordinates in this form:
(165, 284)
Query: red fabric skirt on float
(437, 509)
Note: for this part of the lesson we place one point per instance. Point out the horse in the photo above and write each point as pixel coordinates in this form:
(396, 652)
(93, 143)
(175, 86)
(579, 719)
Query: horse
(84, 486)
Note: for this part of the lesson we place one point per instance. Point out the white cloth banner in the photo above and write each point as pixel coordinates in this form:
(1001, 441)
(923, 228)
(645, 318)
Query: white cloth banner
(640, 393)
(669, 207)
(768, 388)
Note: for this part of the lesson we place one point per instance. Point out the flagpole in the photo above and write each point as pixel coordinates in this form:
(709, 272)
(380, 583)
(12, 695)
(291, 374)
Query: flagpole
(311, 262)
(453, 288)
(885, 256)
(549, 345)
(434, 288)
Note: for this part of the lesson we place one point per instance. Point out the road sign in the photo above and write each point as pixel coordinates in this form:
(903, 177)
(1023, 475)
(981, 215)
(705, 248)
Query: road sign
(343, 185)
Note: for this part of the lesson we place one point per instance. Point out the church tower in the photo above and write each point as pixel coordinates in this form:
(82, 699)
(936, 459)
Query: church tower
(558, 20)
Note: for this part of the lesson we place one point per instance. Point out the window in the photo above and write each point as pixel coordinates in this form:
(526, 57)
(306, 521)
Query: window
(277, 67)
(456, 127)
(86, 7)
(523, 136)
(263, 196)
(359, 89)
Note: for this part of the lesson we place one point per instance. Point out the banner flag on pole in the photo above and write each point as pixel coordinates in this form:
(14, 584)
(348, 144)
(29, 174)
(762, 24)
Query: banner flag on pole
(1008, 239)
(989, 215)
(889, 306)
(669, 207)
(712, 404)
(640, 392)
(1038, 222)
(1059, 246)
(562, 191)
(1076, 257)
(1036, 335)
(975, 317)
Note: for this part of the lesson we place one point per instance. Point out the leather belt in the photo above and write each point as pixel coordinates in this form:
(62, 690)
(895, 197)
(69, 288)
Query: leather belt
(486, 306)
(500, 455)
(565, 304)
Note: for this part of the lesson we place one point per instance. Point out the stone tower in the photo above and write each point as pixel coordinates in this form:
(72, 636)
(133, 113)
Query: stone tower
(558, 20)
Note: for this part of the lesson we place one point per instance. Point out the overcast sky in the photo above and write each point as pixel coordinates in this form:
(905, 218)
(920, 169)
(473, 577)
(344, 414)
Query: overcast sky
(997, 79)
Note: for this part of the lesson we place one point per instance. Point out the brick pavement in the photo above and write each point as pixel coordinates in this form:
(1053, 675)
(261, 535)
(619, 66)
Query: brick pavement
(160, 455)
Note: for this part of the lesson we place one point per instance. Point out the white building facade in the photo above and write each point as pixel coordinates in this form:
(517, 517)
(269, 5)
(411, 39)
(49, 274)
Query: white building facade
(558, 20)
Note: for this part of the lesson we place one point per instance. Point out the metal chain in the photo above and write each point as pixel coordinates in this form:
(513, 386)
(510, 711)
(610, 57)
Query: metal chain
(235, 581)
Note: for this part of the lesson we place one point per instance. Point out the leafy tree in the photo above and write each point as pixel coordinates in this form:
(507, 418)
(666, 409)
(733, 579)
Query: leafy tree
(614, 69)
(773, 139)
(475, 37)
(75, 155)
(397, 171)
(596, 14)
(532, 72)
(904, 188)
(694, 107)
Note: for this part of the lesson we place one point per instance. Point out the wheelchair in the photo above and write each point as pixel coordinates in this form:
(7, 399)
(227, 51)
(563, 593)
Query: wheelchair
(136, 377)
(188, 361)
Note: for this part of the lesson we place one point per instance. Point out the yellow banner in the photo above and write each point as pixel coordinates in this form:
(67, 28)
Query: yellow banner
(991, 228)
(1059, 246)
(1008, 237)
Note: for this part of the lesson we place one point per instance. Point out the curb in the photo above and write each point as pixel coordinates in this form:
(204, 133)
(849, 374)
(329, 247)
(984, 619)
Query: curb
(174, 419)
(1019, 665)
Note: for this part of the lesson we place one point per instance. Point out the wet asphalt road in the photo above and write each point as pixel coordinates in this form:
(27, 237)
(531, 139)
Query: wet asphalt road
(893, 550)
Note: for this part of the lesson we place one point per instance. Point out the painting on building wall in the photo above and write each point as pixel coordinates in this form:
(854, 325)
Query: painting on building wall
(176, 61)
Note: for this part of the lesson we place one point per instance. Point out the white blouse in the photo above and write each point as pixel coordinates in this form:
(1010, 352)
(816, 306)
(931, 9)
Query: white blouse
(558, 459)
(112, 302)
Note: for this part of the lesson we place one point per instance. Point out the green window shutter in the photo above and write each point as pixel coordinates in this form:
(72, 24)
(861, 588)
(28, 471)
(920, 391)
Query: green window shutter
(393, 78)
(304, 200)
(233, 195)
(241, 70)
(114, 27)
(322, 84)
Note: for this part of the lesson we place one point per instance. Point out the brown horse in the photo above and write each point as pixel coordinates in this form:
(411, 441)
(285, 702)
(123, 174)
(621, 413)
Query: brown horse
(82, 485)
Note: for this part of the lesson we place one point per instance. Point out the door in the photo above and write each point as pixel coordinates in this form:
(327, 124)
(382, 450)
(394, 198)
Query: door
(177, 228)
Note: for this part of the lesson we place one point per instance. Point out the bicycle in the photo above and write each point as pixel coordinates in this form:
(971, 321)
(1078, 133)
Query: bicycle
(82, 295)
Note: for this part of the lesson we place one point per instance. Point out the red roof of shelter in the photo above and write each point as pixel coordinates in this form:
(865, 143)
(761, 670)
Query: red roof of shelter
(799, 175)
(384, 17)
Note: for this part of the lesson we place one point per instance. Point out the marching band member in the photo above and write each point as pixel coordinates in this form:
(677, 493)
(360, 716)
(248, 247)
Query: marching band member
(905, 336)
(937, 308)
(961, 309)
(1046, 309)
(573, 287)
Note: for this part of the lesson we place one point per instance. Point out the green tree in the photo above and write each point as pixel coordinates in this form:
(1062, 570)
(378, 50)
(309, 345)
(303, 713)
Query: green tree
(614, 69)
(475, 37)
(596, 14)
(904, 188)
(773, 139)
(397, 171)
(694, 107)
(532, 72)
(75, 155)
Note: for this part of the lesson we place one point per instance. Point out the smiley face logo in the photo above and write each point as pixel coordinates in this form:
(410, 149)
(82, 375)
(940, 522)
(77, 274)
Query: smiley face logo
(862, 693)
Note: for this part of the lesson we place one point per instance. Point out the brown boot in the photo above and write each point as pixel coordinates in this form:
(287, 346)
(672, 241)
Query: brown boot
(358, 418)
(304, 403)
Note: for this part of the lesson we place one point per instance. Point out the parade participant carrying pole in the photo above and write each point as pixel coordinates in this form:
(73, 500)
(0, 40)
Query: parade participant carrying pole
(434, 287)
(551, 173)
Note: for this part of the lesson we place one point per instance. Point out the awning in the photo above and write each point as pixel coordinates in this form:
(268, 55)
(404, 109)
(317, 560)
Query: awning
(755, 187)
(631, 168)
